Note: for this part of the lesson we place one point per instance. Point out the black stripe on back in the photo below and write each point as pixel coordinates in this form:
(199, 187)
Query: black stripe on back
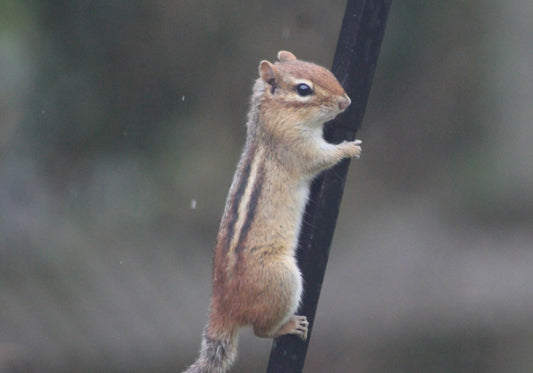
(236, 201)
(254, 199)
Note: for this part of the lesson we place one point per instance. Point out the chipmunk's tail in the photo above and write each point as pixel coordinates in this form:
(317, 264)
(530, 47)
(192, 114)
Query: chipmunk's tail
(217, 353)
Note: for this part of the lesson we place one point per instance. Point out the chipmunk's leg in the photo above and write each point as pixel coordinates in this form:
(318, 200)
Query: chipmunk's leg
(279, 302)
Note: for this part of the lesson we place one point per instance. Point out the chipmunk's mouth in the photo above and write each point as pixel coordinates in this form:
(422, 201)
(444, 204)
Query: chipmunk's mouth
(328, 113)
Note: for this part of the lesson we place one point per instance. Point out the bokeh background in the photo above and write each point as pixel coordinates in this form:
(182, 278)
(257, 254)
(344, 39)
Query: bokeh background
(120, 127)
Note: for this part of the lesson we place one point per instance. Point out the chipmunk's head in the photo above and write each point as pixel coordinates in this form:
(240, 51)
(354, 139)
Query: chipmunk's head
(300, 91)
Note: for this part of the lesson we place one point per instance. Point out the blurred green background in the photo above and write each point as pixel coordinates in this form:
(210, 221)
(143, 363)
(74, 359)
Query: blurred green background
(120, 127)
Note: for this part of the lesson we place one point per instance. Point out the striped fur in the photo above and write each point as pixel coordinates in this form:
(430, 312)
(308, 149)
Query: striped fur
(256, 280)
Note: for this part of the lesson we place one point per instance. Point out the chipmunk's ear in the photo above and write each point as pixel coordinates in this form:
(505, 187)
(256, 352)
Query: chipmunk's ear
(266, 71)
(284, 56)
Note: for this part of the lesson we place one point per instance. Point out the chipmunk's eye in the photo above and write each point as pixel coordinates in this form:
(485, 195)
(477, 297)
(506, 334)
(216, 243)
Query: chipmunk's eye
(303, 89)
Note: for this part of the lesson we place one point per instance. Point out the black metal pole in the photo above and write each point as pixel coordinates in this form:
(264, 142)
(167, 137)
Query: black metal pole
(355, 60)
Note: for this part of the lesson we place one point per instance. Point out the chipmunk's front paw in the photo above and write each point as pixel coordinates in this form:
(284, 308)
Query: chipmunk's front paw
(354, 148)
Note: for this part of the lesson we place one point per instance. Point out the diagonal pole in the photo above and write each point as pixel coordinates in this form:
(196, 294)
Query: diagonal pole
(355, 60)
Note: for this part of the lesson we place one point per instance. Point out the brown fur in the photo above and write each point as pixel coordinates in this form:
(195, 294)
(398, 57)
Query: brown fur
(256, 281)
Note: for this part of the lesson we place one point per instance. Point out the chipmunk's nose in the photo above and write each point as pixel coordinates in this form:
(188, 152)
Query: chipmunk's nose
(344, 102)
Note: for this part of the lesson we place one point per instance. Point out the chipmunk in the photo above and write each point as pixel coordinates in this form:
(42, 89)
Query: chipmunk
(256, 280)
